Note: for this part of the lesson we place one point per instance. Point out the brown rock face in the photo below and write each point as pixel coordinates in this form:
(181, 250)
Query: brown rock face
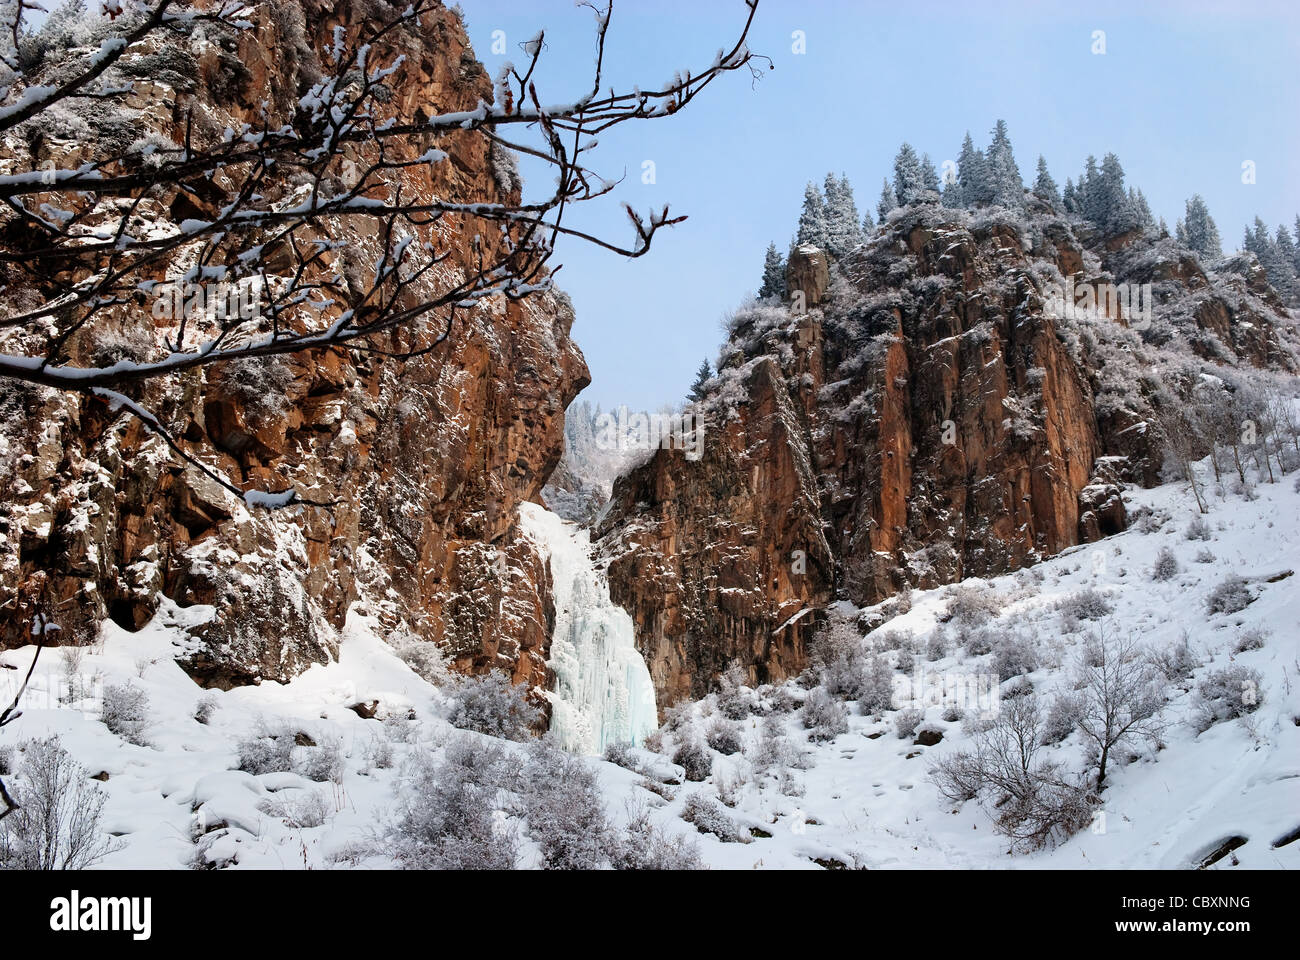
(426, 460)
(933, 424)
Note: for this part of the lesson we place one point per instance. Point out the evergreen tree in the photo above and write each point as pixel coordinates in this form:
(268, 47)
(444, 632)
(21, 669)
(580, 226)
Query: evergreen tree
(1142, 211)
(1297, 242)
(1069, 201)
(1087, 191)
(1286, 249)
(1114, 213)
(843, 232)
(703, 376)
(812, 221)
(972, 174)
(888, 201)
(1197, 230)
(929, 175)
(868, 225)
(773, 284)
(1045, 186)
(1006, 188)
(907, 175)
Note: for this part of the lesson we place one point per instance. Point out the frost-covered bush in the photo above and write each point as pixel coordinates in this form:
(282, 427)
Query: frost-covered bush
(709, 817)
(1198, 529)
(322, 763)
(877, 694)
(841, 661)
(1205, 556)
(1230, 596)
(906, 722)
(1252, 638)
(971, 606)
(1176, 661)
(938, 644)
(824, 716)
(735, 699)
(301, 811)
(1087, 604)
(125, 711)
(693, 757)
(723, 735)
(643, 846)
(1014, 655)
(266, 750)
(1226, 694)
(492, 705)
(979, 641)
(1166, 565)
(206, 707)
(953, 713)
(619, 752)
(446, 814)
(57, 825)
(378, 753)
(424, 657)
(1062, 717)
(565, 816)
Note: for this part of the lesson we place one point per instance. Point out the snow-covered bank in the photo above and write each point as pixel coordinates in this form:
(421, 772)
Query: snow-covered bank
(603, 693)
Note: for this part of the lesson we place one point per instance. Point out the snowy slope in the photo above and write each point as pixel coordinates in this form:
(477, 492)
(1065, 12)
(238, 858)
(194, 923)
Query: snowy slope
(858, 800)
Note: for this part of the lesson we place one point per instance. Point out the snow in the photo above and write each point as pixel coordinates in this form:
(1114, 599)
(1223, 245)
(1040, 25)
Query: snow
(603, 692)
(863, 799)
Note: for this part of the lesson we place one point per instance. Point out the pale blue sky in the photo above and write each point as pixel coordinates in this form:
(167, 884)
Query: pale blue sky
(1184, 94)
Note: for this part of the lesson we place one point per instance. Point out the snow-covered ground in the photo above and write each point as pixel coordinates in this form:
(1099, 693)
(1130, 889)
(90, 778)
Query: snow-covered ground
(861, 799)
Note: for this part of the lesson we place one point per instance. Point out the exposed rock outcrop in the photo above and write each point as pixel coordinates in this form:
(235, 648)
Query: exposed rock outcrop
(425, 461)
(926, 420)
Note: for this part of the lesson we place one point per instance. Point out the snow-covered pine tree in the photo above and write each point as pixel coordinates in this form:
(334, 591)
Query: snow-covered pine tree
(888, 201)
(703, 376)
(929, 175)
(972, 174)
(1006, 188)
(907, 175)
(1069, 201)
(843, 231)
(773, 284)
(1115, 214)
(1296, 261)
(1088, 190)
(1286, 249)
(1198, 231)
(1142, 211)
(1045, 186)
(812, 221)
(868, 224)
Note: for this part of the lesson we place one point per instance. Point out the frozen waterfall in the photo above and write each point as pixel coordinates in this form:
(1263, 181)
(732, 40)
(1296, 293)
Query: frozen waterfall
(603, 693)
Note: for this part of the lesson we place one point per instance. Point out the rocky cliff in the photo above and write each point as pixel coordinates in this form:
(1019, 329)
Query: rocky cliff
(917, 414)
(425, 460)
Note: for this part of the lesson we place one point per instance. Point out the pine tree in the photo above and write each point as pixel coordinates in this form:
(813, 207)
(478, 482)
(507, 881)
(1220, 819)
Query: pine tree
(1286, 249)
(1142, 211)
(888, 201)
(972, 174)
(907, 175)
(868, 225)
(1069, 200)
(843, 232)
(1297, 241)
(929, 175)
(1045, 186)
(1087, 191)
(1005, 185)
(812, 221)
(1114, 214)
(1197, 230)
(702, 376)
(773, 284)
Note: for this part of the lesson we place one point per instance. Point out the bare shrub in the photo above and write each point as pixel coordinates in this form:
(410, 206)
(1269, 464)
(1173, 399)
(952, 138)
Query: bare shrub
(1198, 529)
(266, 750)
(938, 644)
(735, 699)
(378, 753)
(619, 752)
(906, 722)
(1175, 662)
(709, 817)
(693, 757)
(841, 661)
(57, 824)
(824, 716)
(565, 815)
(1033, 801)
(125, 711)
(1166, 565)
(643, 846)
(301, 811)
(322, 763)
(971, 606)
(877, 693)
(1088, 604)
(1062, 717)
(424, 657)
(1205, 556)
(1229, 596)
(723, 735)
(444, 817)
(206, 707)
(1122, 698)
(1252, 638)
(1014, 655)
(492, 705)
(1226, 694)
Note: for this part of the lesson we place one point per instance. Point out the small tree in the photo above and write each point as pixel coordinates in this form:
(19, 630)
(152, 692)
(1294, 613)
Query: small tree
(1123, 697)
(773, 284)
(702, 377)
